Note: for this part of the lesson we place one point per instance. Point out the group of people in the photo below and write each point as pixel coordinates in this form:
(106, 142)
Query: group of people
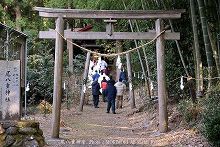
(104, 84)
(97, 66)
(111, 91)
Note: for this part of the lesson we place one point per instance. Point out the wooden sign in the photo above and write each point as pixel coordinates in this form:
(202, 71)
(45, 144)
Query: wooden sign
(9, 90)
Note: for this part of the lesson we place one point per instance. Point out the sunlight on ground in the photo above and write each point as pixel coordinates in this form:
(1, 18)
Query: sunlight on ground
(108, 126)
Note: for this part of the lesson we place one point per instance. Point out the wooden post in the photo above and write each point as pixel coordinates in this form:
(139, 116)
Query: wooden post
(163, 116)
(131, 90)
(22, 59)
(70, 51)
(110, 26)
(70, 48)
(85, 76)
(58, 70)
(25, 81)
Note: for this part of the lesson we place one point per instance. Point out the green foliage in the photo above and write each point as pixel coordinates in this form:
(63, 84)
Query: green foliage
(9, 2)
(211, 118)
(56, 3)
(78, 64)
(189, 111)
(2, 13)
(40, 75)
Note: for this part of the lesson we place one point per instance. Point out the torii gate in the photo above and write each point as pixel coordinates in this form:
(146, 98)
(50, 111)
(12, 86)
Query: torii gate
(60, 14)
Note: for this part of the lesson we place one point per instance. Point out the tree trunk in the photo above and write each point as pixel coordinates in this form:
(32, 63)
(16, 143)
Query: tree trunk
(199, 71)
(206, 40)
(18, 16)
(212, 38)
(219, 14)
(214, 50)
(130, 82)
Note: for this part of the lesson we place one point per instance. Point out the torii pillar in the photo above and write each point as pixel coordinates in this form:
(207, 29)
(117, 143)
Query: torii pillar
(161, 78)
(58, 70)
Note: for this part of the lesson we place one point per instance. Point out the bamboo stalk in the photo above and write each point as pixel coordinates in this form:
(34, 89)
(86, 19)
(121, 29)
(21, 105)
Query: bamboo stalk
(199, 71)
(206, 40)
(177, 44)
(139, 56)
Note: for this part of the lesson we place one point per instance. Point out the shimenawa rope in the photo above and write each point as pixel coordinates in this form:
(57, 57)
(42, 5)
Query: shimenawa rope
(113, 54)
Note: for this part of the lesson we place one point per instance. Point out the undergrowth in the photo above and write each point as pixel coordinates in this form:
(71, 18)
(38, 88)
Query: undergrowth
(205, 115)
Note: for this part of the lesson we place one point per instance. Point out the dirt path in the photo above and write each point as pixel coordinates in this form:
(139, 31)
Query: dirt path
(94, 127)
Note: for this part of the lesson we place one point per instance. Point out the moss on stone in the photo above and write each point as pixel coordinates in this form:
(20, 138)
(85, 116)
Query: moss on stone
(18, 140)
(28, 130)
(40, 132)
(2, 137)
(21, 133)
(40, 139)
(28, 123)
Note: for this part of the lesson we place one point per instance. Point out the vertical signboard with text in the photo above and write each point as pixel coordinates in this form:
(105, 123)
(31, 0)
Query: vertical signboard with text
(9, 90)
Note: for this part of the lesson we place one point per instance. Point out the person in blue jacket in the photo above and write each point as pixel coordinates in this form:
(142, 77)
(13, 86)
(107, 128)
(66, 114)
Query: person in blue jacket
(111, 95)
(95, 93)
(95, 76)
(123, 76)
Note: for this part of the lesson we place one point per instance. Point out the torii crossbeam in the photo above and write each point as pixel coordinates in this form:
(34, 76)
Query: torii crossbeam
(59, 14)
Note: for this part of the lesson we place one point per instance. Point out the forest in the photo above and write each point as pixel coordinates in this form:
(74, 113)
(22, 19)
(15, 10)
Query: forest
(192, 62)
